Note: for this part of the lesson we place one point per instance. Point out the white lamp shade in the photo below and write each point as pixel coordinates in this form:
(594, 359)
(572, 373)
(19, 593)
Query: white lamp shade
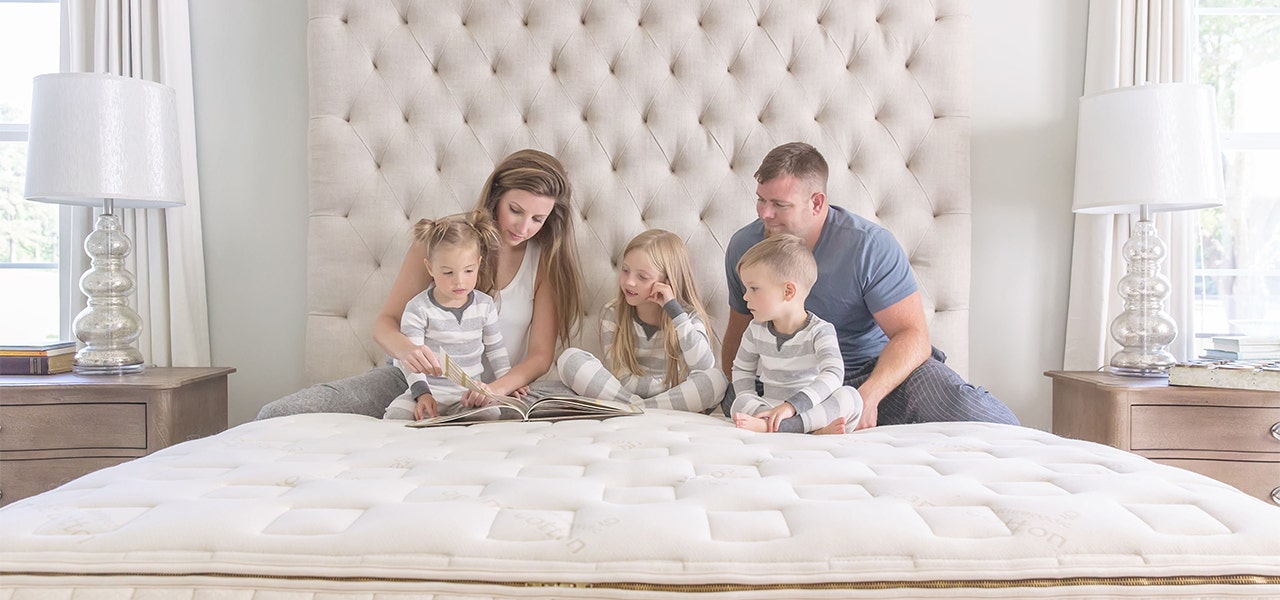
(1151, 144)
(95, 136)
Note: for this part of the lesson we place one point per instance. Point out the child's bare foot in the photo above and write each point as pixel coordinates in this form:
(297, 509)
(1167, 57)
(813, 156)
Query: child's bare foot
(836, 426)
(750, 423)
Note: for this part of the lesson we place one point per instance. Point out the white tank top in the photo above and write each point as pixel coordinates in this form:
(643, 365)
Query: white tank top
(515, 304)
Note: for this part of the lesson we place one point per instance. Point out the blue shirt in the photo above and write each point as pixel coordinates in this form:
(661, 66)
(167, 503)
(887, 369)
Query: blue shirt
(861, 271)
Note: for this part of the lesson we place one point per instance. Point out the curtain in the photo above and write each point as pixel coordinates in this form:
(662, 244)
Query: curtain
(148, 39)
(1130, 42)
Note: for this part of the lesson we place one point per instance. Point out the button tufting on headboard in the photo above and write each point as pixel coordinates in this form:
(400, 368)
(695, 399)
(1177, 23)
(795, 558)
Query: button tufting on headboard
(660, 110)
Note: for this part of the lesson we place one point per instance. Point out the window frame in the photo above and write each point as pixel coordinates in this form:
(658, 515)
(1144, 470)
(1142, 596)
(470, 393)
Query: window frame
(13, 132)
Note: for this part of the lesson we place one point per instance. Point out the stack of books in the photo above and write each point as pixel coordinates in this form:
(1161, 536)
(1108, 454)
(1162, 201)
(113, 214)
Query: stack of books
(37, 359)
(1241, 362)
(1244, 348)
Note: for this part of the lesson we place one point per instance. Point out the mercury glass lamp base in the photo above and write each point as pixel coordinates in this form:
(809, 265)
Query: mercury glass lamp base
(1143, 329)
(107, 369)
(108, 326)
(1138, 371)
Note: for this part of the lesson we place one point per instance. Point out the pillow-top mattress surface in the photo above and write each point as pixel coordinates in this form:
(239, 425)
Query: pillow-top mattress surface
(665, 499)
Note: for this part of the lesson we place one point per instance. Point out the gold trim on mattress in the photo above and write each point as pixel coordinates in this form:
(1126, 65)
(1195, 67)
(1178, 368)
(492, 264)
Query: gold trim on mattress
(709, 588)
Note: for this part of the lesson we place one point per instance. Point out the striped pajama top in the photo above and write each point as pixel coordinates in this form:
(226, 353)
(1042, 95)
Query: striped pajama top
(803, 368)
(465, 333)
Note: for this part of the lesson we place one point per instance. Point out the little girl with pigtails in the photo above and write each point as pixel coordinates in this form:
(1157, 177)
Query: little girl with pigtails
(451, 316)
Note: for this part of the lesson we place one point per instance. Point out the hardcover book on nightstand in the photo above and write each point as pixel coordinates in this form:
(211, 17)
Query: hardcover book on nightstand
(1244, 375)
(43, 358)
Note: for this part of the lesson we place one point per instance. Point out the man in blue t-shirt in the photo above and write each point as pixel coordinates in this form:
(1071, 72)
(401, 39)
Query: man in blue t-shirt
(865, 288)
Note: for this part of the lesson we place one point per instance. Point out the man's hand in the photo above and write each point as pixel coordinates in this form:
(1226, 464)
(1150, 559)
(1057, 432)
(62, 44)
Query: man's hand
(420, 359)
(776, 415)
(869, 415)
(425, 407)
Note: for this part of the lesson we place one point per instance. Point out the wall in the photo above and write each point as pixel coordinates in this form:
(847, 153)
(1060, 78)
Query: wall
(251, 117)
(1028, 74)
(250, 60)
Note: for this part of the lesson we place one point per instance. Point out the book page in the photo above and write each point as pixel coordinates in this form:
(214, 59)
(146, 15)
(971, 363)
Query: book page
(566, 406)
(552, 407)
(455, 373)
(479, 414)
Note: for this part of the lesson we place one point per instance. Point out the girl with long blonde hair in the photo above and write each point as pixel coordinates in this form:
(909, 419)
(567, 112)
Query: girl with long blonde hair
(654, 334)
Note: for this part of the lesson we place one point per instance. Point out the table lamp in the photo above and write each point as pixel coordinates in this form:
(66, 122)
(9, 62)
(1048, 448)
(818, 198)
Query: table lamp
(1143, 149)
(109, 141)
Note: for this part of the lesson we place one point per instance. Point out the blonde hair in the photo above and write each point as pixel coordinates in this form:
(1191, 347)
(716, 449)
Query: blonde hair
(475, 227)
(786, 255)
(541, 174)
(671, 257)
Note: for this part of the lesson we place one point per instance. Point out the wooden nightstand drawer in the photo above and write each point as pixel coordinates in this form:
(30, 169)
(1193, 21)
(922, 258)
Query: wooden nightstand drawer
(1227, 434)
(22, 478)
(1256, 478)
(55, 428)
(68, 426)
(1225, 428)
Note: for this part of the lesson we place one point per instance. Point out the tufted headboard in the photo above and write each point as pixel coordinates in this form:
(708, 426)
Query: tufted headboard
(660, 110)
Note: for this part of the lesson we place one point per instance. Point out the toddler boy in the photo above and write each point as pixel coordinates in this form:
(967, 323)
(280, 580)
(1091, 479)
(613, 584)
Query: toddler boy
(792, 353)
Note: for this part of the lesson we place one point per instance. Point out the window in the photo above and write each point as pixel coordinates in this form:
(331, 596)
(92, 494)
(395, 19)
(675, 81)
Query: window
(1237, 272)
(30, 303)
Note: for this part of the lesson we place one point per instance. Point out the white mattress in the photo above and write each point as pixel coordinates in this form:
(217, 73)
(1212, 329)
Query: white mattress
(656, 505)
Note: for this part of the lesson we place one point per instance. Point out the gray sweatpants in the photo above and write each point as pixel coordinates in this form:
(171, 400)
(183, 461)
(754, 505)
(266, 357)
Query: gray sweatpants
(368, 393)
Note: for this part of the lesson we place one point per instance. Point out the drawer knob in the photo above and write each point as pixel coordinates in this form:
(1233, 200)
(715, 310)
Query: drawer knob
(1275, 431)
(1275, 495)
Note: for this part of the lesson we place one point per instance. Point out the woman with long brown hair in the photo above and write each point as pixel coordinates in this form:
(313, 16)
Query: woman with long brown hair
(534, 280)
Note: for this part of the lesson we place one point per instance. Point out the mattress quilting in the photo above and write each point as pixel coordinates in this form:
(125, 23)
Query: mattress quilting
(664, 499)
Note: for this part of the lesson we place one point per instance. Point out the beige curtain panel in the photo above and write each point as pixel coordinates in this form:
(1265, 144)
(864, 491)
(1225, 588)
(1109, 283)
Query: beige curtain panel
(149, 39)
(1131, 42)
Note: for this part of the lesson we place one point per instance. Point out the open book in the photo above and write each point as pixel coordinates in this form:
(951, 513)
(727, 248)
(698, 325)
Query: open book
(529, 408)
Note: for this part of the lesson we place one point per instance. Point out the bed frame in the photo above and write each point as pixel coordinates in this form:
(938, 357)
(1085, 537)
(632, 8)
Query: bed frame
(660, 110)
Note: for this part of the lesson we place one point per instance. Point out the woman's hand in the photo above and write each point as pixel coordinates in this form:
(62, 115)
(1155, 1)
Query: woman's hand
(661, 293)
(425, 407)
(473, 399)
(420, 359)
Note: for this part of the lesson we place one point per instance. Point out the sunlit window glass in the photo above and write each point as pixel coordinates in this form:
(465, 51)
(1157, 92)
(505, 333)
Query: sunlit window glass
(29, 303)
(1238, 259)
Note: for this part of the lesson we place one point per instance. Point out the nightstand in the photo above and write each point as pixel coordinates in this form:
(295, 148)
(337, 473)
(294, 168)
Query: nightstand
(1228, 434)
(55, 428)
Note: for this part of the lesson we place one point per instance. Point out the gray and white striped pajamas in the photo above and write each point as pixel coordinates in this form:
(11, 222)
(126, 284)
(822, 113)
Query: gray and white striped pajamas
(465, 333)
(804, 368)
(705, 385)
